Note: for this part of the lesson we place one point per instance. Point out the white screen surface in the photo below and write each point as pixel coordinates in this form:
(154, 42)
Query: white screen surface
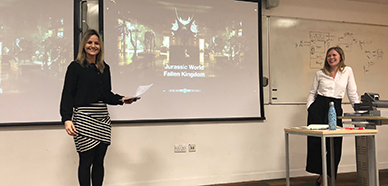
(36, 41)
(201, 56)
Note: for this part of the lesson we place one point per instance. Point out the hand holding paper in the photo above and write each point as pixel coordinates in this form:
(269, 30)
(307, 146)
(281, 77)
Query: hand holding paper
(140, 90)
(129, 100)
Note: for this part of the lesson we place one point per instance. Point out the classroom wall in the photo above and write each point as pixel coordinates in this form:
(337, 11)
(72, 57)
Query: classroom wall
(143, 154)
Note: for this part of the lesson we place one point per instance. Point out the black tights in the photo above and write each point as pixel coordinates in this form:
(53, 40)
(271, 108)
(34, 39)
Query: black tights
(92, 158)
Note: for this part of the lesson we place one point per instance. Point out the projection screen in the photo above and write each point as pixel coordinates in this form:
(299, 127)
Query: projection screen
(202, 58)
(36, 45)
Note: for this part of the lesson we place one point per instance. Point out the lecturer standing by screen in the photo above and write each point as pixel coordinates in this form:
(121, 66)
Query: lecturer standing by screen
(85, 95)
(329, 85)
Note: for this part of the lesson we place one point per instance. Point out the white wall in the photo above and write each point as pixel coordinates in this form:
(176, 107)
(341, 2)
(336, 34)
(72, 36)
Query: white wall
(226, 151)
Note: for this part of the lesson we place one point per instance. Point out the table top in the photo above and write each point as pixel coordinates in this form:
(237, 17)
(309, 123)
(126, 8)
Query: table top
(364, 117)
(330, 132)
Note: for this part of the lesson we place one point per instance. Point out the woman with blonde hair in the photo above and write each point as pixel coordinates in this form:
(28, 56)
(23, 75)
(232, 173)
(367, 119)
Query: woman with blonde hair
(329, 85)
(85, 95)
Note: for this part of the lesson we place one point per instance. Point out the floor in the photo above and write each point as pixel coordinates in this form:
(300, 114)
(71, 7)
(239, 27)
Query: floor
(343, 179)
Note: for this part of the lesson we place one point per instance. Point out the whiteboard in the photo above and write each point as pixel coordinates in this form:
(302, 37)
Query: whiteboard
(297, 49)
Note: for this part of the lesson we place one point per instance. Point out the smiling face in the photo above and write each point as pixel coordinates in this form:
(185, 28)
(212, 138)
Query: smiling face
(333, 58)
(92, 47)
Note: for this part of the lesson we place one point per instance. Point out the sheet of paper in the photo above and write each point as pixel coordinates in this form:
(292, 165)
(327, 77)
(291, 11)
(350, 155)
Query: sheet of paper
(141, 89)
(313, 127)
(317, 126)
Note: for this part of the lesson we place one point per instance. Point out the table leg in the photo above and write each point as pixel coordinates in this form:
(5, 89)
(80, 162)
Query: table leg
(323, 153)
(332, 161)
(287, 160)
(372, 155)
(366, 155)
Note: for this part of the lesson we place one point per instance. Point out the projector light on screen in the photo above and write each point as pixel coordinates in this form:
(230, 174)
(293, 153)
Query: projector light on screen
(202, 57)
(36, 46)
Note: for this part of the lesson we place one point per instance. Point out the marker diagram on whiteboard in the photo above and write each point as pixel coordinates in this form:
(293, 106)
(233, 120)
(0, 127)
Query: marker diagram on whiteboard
(319, 42)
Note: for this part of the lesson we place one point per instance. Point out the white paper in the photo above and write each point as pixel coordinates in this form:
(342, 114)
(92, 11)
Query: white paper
(317, 126)
(313, 127)
(141, 89)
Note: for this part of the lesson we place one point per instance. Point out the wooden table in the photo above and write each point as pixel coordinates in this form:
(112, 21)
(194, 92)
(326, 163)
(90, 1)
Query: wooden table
(323, 134)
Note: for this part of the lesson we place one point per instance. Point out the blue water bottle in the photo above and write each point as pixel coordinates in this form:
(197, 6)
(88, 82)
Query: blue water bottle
(332, 117)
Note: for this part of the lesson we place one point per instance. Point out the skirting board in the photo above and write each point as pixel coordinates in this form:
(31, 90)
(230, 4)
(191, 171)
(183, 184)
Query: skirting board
(256, 176)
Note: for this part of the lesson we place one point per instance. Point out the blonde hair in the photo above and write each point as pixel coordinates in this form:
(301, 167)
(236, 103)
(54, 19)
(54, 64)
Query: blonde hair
(81, 57)
(341, 65)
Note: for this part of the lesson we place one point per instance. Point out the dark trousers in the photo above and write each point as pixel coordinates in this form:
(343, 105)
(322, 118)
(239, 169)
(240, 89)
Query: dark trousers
(318, 114)
(94, 159)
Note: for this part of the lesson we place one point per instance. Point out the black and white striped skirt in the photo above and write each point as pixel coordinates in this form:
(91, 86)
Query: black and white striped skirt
(93, 126)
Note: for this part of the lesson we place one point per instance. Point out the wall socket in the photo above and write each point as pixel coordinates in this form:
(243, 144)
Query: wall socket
(180, 148)
(192, 148)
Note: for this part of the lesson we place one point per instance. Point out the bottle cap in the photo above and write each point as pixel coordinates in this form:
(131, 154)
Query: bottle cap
(331, 103)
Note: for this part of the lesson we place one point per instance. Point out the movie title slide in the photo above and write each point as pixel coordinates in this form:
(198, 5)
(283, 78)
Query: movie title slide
(190, 71)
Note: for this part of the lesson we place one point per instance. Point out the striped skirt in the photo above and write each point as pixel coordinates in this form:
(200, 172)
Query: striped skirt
(93, 126)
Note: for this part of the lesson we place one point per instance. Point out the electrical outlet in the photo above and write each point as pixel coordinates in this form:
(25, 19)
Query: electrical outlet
(192, 148)
(180, 148)
(274, 94)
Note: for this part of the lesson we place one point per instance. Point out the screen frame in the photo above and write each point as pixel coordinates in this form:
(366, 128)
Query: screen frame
(260, 78)
(77, 34)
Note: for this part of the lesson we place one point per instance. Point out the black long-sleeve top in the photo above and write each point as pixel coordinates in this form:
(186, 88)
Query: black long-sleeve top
(83, 86)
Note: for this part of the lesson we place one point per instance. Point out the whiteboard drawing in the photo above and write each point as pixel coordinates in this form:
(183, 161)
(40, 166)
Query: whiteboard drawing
(319, 42)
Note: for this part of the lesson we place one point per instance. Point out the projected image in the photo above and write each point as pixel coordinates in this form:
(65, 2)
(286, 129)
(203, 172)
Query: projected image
(200, 55)
(35, 49)
(34, 44)
(180, 40)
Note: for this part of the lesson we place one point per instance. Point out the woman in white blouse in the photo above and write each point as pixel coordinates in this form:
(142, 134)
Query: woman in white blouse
(329, 85)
